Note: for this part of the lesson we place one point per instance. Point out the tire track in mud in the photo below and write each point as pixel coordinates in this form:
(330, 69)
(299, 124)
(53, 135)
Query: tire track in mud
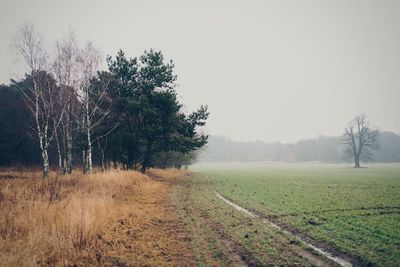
(234, 253)
(341, 260)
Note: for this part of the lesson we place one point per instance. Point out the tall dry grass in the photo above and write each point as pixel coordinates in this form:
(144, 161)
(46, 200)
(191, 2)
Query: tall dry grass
(168, 174)
(61, 222)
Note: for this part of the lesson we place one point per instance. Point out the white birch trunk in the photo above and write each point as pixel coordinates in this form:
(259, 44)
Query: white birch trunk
(84, 161)
(45, 158)
(69, 146)
(60, 159)
(88, 132)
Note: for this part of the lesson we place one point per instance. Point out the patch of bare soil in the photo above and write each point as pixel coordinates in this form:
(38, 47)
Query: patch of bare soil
(151, 234)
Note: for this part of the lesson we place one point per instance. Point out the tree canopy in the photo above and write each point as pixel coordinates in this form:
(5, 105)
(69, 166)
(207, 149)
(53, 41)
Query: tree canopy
(151, 120)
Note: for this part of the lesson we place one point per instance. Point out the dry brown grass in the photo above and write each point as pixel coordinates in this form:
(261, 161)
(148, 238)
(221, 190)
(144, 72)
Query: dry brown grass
(61, 222)
(168, 174)
(119, 218)
(152, 234)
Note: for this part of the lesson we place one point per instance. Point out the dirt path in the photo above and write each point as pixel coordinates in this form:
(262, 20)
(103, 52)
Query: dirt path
(165, 226)
(151, 234)
(214, 247)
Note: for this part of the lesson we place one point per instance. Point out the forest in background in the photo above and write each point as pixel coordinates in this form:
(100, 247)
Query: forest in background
(322, 149)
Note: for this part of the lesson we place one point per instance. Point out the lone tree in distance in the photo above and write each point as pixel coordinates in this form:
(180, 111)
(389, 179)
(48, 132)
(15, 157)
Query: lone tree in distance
(360, 138)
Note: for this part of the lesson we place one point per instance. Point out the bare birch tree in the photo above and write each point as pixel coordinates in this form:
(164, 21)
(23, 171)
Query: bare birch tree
(65, 68)
(95, 104)
(74, 68)
(40, 96)
(360, 138)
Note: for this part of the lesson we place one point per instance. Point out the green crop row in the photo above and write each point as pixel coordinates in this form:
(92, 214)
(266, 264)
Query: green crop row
(356, 211)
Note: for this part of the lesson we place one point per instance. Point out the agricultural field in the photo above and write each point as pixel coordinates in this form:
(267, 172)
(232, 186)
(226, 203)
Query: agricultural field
(353, 212)
(188, 218)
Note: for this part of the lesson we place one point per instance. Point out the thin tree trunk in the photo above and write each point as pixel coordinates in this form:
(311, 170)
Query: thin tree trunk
(89, 155)
(69, 148)
(146, 159)
(45, 153)
(164, 161)
(102, 151)
(89, 139)
(84, 164)
(41, 135)
(64, 164)
(60, 159)
(105, 155)
(103, 166)
(45, 158)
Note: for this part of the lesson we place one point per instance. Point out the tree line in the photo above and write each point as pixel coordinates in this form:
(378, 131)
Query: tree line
(67, 110)
(319, 149)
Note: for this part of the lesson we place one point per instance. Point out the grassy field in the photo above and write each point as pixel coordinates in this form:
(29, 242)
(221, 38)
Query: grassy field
(354, 211)
(174, 217)
(222, 236)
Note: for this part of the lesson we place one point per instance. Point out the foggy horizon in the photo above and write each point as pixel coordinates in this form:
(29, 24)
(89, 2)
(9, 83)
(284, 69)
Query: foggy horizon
(230, 138)
(271, 71)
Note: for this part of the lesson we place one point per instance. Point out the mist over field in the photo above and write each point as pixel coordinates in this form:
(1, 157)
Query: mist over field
(319, 149)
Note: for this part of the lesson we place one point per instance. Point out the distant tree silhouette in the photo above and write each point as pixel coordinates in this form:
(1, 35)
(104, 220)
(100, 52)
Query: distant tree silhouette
(360, 139)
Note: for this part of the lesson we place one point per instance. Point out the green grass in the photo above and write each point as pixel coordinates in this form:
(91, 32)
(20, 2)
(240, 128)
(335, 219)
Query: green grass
(222, 236)
(357, 211)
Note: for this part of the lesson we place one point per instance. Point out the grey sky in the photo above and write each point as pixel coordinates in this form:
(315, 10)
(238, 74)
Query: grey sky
(268, 70)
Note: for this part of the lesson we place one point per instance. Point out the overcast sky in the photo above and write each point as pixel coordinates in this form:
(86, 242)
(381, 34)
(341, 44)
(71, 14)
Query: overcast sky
(268, 70)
